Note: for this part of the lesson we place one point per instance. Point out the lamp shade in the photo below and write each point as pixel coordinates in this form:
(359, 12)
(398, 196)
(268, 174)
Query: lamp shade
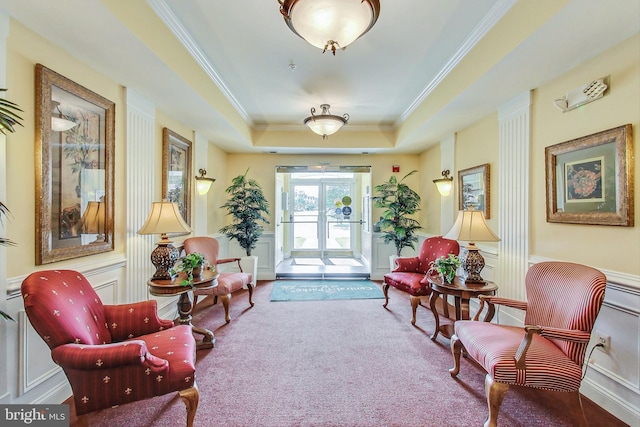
(164, 218)
(93, 218)
(330, 24)
(471, 226)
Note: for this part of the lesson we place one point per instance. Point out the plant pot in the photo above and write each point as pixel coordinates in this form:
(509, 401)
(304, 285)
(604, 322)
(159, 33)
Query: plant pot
(197, 272)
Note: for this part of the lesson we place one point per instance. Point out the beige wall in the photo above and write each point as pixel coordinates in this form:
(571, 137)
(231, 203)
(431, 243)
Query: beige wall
(25, 49)
(614, 248)
(431, 200)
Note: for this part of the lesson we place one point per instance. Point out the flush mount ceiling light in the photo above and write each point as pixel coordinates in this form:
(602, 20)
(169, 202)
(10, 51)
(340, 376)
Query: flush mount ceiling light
(325, 123)
(330, 24)
(583, 95)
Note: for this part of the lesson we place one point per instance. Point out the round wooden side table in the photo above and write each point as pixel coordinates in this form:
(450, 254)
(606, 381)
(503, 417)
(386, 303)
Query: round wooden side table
(462, 293)
(171, 287)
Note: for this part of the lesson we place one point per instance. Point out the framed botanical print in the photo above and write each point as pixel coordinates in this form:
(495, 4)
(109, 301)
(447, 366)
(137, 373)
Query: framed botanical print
(473, 189)
(590, 179)
(74, 175)
(176, 171)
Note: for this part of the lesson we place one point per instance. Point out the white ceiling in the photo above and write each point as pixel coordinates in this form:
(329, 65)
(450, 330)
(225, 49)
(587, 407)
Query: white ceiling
(246, 50)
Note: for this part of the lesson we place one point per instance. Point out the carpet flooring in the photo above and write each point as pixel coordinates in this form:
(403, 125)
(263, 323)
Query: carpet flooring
(349, 363)
(314, 290)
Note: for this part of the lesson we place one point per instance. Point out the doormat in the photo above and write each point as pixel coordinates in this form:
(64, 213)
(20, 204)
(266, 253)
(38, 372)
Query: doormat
(317, 290)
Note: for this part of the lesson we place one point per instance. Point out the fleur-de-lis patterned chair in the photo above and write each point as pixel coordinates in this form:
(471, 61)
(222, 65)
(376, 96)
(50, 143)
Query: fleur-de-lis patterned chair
(228, 281)
(410, 272)
(111, 354)
(563, 300)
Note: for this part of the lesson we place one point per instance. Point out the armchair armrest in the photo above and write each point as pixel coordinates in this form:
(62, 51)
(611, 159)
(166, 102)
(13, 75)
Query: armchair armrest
(127, 321)
(547, 332)
(492, 300)
(407, 264)
(227, 260)
(94, 357)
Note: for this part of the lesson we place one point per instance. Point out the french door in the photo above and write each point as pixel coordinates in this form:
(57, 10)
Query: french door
(323, 217)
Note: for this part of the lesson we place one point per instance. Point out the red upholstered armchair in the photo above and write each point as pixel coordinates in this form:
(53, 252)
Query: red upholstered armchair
(111, 354)
(228, 282)
(410, 273)
(563, 300)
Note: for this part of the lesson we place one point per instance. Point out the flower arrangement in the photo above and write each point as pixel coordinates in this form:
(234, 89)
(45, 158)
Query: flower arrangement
(189, 264)
(446, 267)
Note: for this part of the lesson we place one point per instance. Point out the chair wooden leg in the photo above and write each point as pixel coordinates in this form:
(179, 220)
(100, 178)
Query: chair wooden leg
(456, 349)
(495, 392)
(82, 420)
(190, 397)
(225, 303)
(250, 288)
(415, 302)
(385, 291)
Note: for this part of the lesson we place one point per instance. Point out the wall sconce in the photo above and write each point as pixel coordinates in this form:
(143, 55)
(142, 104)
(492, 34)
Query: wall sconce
(583, 95)
(444, 184)
(203, 183)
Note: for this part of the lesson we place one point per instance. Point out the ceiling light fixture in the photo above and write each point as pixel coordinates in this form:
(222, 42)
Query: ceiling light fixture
(330, 24)
(444, 184)
(325, 123)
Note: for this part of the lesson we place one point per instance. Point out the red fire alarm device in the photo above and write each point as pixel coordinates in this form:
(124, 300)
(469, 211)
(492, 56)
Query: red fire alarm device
(395, 168)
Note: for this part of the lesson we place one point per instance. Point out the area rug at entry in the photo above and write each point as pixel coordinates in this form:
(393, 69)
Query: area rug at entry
(313, 290)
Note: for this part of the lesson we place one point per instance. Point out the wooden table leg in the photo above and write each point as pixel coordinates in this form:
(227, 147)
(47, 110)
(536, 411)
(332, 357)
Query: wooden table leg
(185, 306)
(436, 316)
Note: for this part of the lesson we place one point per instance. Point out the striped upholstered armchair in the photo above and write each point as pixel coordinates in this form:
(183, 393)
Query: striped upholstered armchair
(410, 274)
(111, 354)
(563, 300)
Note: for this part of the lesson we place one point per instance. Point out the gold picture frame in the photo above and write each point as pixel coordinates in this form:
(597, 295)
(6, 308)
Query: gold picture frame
(474, 190)
(176, 171)
(74, 169)
(589, 180)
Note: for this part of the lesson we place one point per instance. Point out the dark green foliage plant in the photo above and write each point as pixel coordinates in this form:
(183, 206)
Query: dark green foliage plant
(399, 202)
(248, 208)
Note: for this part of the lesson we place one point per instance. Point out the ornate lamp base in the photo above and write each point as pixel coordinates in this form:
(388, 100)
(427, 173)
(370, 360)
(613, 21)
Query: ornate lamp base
(163, 258)
(473, 265)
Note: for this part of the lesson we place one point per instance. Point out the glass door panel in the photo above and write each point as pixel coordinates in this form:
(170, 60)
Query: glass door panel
(305, 218)
(339, 214)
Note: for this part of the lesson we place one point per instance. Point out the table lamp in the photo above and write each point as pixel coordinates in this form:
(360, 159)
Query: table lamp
(164, 218)
(93, 220)
(472, 227)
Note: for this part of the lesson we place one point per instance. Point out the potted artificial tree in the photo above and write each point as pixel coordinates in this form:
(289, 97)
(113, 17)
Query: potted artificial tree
(399, 202)
(248, 208)
(8, 119)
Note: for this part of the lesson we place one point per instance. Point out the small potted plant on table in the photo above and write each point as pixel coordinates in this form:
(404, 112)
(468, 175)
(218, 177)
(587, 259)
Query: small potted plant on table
(446, 267)
(192, 265)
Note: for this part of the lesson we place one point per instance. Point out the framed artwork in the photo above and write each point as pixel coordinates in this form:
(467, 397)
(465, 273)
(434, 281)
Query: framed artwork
(473, 189)
(590, 179)
(74, 177)
(176, 171)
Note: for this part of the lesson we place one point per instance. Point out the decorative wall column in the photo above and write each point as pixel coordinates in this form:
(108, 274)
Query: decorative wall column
(513, 201)
(448, 207)
(141, 171)
(201, 150)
